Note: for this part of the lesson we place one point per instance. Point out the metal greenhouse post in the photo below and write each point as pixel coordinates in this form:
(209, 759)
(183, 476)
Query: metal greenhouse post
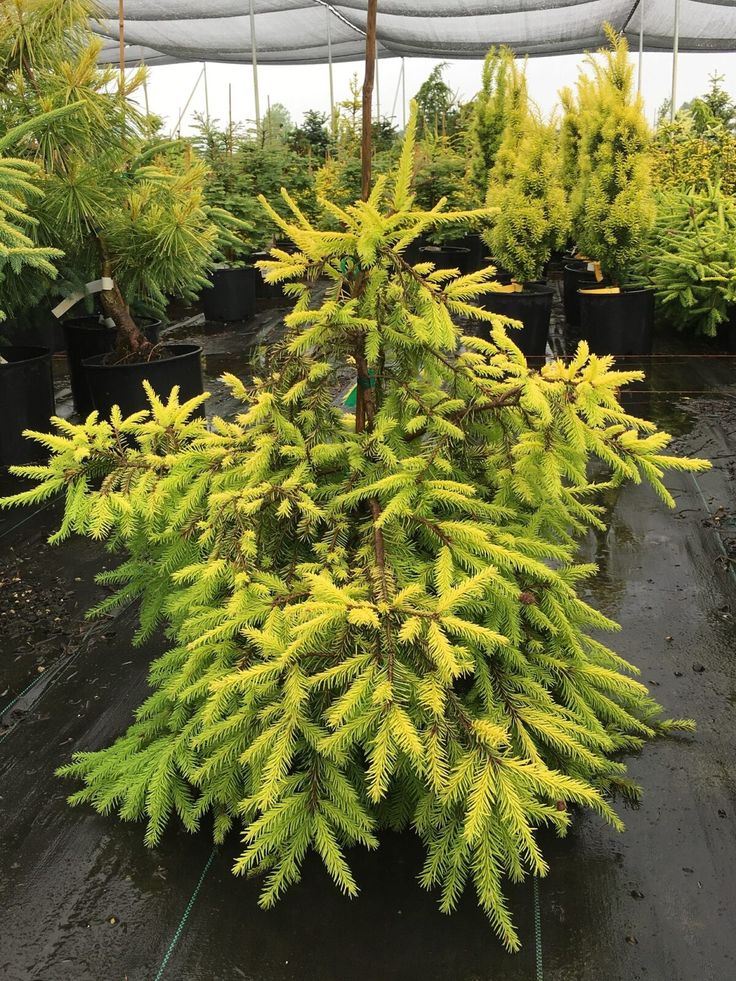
(254, 62)
(328, 15)
(641, 46)
(675, 52)
(403, 90)
(378, 93)
(370, 71)
(206, 95)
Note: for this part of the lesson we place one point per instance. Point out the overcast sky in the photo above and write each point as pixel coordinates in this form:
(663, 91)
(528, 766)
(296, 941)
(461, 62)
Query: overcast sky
(307, 87)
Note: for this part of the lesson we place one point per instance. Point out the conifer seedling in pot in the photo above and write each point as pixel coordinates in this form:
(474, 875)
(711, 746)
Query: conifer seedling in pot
(612, 201)
(533, 220)
(374, 618)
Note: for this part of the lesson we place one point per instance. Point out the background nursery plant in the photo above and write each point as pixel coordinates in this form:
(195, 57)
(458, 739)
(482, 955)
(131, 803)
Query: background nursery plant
(374, 618)
(114, 205)
(612, 199)
(533, 218)
(691, 258)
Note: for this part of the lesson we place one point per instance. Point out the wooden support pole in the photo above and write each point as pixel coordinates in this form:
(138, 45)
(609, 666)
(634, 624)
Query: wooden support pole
(121, 33)
(370, 73)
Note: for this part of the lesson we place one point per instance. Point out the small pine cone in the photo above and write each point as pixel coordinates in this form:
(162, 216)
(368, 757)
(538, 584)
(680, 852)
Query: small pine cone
(528, 599)
(561, 805)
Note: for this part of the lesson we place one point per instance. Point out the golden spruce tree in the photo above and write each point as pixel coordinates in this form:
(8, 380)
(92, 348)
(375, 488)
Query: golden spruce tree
(374, 618)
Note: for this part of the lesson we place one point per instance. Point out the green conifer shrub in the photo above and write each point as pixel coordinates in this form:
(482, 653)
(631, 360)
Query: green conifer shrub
(534, 217)
(501, 90)
(25, 266)
(612, 197)
(374, 619)
(691, 258)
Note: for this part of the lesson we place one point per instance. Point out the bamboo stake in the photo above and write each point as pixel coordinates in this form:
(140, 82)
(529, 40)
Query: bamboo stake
(370, 71)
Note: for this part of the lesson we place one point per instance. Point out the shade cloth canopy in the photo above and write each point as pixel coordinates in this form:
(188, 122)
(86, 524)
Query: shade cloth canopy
(301, 32)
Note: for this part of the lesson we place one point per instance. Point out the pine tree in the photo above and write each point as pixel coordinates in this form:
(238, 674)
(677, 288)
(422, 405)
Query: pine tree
(113, 204)
(534, 217)
(612, 199)
(374, 619)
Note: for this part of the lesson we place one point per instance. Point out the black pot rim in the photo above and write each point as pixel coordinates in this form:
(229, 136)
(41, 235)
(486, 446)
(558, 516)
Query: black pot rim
(460, 249)
(180, 351)
(142, 323)
(528, 289)
(33, 352)
(623, 291)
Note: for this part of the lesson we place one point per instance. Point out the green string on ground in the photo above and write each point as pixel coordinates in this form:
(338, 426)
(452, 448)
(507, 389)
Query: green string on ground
(184, 918)
(28, 517)
(20, 695)
(538, 931)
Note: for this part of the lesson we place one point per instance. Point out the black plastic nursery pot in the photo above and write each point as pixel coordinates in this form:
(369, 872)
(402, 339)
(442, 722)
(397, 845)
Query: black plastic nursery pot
(36, 327)
(264, 290)
(86, 337)
(447, 257)
(727, 332)
(477, 248)
(618, 323)
(575, 276)
(26, 402)
(533, 307)
(122, 384)
(232, 296)
(503, 275)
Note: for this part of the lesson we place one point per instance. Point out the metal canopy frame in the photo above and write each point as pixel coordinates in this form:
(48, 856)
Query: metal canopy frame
(352, 18)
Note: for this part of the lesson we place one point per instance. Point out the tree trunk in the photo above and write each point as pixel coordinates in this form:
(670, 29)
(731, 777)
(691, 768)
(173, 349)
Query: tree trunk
(131, 339)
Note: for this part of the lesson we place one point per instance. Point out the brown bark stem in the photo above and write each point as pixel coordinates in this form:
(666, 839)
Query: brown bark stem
(130, 338)
(370, 75)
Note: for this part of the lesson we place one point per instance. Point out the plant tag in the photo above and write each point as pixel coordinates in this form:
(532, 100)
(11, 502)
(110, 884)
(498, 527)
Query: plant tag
(603, 289)
(96, 286)
(512, 287)
(2, 360)
(598, 272)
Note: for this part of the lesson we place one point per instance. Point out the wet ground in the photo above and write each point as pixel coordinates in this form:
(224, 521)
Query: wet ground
(82, 898)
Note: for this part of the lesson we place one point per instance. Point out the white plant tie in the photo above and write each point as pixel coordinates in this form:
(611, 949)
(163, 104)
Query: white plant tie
(96, 286)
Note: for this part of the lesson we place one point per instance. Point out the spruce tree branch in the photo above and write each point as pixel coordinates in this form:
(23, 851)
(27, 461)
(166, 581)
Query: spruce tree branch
(435, 529)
